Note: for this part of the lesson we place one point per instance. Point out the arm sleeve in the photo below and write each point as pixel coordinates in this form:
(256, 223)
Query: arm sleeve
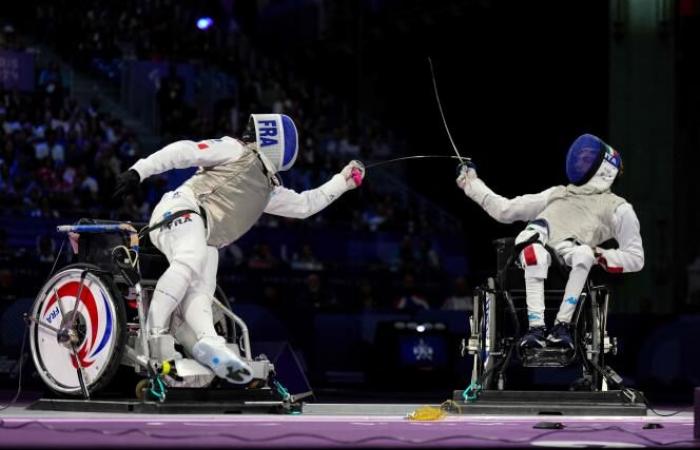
(185, 154)
(505, 210)
(629, 257)
(288, 203)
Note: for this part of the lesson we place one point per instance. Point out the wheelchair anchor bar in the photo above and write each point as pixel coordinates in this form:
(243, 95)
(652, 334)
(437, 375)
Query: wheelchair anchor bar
(238, 321)
(141, 308)
(126, 228)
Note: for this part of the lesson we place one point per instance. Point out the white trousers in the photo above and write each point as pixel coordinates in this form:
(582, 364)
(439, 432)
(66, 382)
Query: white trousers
(535, 260)
(182, 300)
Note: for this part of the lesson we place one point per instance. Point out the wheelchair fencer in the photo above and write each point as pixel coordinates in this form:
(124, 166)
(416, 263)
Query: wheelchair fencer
(499, 319)
(89, 319)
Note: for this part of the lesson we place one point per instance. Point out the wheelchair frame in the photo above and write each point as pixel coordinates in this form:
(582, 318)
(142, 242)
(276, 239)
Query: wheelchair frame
(492, 349)
(136, 351)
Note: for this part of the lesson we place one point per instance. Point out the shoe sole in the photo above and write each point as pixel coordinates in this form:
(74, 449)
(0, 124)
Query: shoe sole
(238, 374)
(541, 344)
(558, 342)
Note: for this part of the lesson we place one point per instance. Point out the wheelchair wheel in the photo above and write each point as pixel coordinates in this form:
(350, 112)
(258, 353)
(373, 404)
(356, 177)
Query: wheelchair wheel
(98, 334)
(484, 320)
(589, 335)
(596, 342)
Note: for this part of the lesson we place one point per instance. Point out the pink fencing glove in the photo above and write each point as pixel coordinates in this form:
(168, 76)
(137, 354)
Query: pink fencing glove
(353, 173)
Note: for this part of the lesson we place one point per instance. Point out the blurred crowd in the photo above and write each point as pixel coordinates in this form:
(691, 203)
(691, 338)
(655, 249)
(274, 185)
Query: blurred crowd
(57, 156)
(60, 158)
(297, 279)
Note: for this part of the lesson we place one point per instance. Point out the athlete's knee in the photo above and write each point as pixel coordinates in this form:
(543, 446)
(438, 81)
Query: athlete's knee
(534, 259)
(527, 235)
(190, 262)
(582, 256)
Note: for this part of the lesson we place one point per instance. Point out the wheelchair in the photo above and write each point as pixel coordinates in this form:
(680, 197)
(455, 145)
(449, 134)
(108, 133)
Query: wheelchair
(499, 320)
(88, 319)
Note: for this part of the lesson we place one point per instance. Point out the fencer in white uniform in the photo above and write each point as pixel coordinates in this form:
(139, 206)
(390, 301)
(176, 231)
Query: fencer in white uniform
(573, 220)
(235, 184)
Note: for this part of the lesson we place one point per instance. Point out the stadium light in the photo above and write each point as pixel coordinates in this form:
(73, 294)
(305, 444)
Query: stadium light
(204, 22)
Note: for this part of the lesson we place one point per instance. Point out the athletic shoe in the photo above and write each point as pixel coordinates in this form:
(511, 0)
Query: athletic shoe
(226, 364)
(534, 338)
(560, 336)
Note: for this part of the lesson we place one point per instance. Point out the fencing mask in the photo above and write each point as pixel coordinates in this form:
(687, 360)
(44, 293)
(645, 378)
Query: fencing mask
(586, 156)
(276, 138)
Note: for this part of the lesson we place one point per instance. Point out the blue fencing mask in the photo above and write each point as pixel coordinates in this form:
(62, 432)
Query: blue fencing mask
(586, 155)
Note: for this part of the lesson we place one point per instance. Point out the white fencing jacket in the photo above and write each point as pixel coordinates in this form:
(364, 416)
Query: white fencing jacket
(232, 188)
(629, 257)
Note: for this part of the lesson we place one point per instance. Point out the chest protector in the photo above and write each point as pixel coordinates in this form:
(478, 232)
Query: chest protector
(234, 196)
(585, 217)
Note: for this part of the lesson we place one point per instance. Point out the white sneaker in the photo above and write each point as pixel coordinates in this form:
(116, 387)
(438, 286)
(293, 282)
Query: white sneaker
(213, 353)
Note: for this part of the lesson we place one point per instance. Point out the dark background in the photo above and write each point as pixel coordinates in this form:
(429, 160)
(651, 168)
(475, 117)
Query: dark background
(519, 80)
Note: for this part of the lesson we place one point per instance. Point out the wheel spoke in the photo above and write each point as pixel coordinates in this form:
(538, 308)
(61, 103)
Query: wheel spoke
(60, 304)
(42, 324)
(82, 378)
(77, 301)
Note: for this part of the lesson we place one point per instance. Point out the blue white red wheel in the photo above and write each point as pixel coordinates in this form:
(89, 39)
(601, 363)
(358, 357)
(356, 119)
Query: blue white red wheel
(97, 336)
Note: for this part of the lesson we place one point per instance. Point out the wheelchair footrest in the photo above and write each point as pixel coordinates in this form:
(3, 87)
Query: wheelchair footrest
(179, 401)
(547, 357)
(558, 403)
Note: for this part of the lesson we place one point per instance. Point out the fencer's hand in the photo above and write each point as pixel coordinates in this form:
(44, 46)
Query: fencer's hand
(127, 182)
(600, 258)
(353, 173)
(467, 174)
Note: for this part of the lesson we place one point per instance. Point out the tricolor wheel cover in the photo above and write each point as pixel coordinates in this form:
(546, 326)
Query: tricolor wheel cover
(55, 363)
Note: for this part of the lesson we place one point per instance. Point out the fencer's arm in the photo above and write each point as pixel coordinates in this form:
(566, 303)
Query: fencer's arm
(507, 210)
(186, 154)
(288, 203)
(629, 257)
(300, 205)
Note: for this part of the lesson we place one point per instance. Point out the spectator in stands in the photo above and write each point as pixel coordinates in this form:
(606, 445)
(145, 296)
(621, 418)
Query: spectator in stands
(44, 210)
(7, 287)
(410, 301)
(9, 40)
(406, 260)
(460, 300)
(366, 299)
(272, 301)
(86, 186)
(305, 259)
(315, 296)
(231, 256)
(50, 79)
(373, 217)
(45, 249)
(170, 96)
(262, 258)
(427, 258)
(6, 253)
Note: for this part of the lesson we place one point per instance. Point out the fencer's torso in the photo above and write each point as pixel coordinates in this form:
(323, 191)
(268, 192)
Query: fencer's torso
(574, 213)
(234, 196)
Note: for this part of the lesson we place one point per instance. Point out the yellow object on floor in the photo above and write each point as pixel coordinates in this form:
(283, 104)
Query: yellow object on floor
(427, 413)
